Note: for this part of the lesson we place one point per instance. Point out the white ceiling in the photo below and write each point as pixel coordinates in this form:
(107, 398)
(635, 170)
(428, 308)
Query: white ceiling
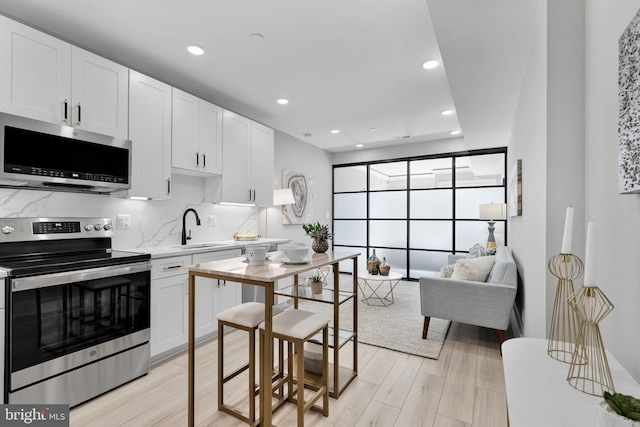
(350, 65)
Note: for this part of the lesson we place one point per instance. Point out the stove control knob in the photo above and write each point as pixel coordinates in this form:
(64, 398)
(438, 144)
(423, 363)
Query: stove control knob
(7, 229)
(107, 227)
(98, 227)
(88, 227)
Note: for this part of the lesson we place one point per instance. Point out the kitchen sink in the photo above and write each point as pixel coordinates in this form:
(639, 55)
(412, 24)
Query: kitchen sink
(201, 245)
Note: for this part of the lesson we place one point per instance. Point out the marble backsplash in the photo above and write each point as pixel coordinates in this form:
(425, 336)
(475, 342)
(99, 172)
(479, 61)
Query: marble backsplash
(153, 223)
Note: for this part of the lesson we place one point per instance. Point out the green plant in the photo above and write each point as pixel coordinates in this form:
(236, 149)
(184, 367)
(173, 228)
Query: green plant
(627, 406)
(316, 277)
(317, 232)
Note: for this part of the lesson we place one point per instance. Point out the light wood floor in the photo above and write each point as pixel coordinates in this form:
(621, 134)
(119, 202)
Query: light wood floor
(463, 388)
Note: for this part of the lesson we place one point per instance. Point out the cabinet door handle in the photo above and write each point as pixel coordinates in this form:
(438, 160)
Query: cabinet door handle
(66, 111)
(204, 160)
(249, 194)
(79, 115)
(172, 267)
(168, 186)
(197, 159)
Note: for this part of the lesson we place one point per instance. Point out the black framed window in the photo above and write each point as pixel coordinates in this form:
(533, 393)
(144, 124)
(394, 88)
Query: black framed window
(416, 211)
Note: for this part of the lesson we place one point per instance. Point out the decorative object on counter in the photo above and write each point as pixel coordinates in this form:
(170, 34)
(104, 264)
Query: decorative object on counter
(245, 237)
(589, 371)
(490, 212)
(564, 321)
(320, 235)
(384, 267)
(294, 252)
(316, 281)
(627, 407)
(373, 264)
(256, 254)
(298, 212)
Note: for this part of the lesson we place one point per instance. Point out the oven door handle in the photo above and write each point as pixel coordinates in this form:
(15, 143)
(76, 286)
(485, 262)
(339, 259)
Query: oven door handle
(54, 279)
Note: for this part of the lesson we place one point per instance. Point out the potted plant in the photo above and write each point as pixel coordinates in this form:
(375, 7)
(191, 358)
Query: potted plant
(319, 234)
(315, 281)
(627, 408)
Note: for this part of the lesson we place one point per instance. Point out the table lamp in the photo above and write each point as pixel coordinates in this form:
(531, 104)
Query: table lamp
(490, 212)
(282, 196)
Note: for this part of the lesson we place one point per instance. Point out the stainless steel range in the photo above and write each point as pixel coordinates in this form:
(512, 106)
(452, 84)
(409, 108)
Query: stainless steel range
(77, 311)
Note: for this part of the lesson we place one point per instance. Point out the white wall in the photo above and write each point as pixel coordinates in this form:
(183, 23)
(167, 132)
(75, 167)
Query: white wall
(617, 269)
(565, 131)
(296, 155)
(526, 232)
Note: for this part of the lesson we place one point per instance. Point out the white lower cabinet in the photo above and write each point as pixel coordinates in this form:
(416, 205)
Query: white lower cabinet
(169, 303)
(170, 300)
(214, 296)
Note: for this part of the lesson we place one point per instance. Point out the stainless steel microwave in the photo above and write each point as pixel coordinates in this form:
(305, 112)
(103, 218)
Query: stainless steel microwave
(51, 157)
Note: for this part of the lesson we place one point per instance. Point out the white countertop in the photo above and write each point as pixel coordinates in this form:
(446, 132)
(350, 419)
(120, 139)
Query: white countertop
(200, 247)
(538, 393)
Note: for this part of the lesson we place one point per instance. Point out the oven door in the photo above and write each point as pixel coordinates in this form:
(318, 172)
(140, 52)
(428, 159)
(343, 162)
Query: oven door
(62, 321)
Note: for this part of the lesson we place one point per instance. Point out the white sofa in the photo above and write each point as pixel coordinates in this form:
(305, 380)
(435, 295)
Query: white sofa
(486, 304)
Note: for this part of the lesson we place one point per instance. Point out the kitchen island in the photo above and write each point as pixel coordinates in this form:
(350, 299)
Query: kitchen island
(239, 271)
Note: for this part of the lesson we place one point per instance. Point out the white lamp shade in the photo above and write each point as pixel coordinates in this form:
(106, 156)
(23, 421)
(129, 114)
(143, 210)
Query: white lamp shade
(493, 211)
(283, 196)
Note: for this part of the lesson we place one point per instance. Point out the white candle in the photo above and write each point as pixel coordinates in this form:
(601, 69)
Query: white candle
(568, 231)
(590, 257)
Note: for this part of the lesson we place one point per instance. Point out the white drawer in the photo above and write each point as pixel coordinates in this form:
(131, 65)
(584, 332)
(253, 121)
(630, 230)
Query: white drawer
(167, 267)
(216, 255)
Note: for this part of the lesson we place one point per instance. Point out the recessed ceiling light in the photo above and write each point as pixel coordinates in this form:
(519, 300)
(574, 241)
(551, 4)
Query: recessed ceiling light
(429, 65)
(282, 101)
(455, 132)
(373, 129)
(359, 145)
(447, 112)
(334, 131)
(195, 50)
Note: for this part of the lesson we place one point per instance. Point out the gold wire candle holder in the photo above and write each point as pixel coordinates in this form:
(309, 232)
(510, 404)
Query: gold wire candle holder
(564, 322)
(593, 377)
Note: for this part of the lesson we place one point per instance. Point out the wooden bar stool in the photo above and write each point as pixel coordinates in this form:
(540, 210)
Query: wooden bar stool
(247, 317)
(297, 327)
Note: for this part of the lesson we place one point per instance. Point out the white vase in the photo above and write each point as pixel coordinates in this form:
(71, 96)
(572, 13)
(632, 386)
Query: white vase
(607, 417)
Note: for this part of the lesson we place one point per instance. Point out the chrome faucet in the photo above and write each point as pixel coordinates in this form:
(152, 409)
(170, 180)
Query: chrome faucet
(184, 216)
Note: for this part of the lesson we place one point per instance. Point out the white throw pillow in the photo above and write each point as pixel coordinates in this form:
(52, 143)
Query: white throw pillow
(476, 269)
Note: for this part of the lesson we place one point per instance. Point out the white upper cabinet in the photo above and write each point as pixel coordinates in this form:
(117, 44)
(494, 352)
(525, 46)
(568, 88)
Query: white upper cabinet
(44, 78)
(99, 93)
(150, 133)
(247, 173)
(262, 145)
(197, 135)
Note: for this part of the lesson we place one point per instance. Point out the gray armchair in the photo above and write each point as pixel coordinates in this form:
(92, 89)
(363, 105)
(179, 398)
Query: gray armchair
(486, 304)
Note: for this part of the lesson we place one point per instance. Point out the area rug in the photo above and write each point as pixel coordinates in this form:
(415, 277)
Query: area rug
(396, 327)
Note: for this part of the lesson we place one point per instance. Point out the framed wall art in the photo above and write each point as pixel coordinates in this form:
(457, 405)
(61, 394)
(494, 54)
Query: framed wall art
(300, 185)
(514, 190)
(629, 109)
